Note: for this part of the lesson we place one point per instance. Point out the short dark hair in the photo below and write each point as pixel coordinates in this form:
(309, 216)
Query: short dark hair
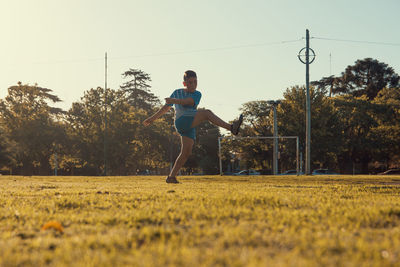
(189, 74)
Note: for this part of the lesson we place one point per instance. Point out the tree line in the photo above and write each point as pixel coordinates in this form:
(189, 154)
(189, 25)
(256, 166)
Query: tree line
(355, 128)
(100, 134)
(355, 121)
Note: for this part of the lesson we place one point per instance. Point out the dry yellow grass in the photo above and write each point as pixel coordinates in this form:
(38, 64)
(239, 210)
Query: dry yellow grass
(205, 221)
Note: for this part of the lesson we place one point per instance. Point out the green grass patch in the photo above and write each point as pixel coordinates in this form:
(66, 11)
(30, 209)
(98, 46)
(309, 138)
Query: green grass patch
(205, 221)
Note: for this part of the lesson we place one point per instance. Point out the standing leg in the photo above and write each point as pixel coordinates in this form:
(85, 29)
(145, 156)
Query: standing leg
(186, 151)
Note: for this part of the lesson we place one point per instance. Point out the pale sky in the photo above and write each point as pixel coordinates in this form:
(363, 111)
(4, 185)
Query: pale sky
(235, 46)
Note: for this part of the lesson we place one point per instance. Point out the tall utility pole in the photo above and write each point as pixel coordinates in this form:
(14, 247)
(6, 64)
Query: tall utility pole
(105, 116)
(308, 105)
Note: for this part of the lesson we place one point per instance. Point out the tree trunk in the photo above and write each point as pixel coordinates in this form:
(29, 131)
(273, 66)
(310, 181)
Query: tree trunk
(27, 168)
(364, 165)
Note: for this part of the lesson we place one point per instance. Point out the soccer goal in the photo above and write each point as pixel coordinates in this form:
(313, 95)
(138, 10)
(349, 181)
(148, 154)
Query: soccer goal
(231, 149)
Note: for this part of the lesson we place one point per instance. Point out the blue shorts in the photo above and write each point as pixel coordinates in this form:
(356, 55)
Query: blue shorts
(183, 126)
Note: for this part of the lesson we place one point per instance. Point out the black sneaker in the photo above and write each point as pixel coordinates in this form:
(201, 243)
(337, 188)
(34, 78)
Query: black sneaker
(171, 180)
(235, 127)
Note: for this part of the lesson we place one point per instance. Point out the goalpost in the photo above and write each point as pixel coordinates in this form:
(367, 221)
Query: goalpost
(259, 137)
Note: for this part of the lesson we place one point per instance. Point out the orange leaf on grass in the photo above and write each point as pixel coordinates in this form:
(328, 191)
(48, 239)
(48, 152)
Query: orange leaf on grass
(53, 225)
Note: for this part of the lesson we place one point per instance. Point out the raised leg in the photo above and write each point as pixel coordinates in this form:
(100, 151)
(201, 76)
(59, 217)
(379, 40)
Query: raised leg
(208, 115)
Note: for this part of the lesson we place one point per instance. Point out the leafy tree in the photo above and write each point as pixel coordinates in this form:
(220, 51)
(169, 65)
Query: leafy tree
(33, 125)
(258, 121)
(363, 118)
(7, 154)
(257, 117)
(325, 125)
(85, 129)
(365, 78)
(205, 152)
(137, 90)
(130, 146)
(153, 145)
(365, 129)
(386, 135)
(325, 134)
(330, 83)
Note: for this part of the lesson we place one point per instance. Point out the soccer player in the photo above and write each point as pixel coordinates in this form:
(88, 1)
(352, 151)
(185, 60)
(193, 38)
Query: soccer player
(187, 117)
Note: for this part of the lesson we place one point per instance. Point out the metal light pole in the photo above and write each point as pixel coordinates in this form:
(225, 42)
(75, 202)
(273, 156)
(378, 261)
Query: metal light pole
(274, 104)
(308, 105)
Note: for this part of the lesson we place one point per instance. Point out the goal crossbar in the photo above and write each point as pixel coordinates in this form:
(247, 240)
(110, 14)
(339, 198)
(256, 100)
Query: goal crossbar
(259, 137)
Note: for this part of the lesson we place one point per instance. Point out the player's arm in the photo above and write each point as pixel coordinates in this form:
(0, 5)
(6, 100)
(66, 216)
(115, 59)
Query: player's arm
(186, 101)
(156, 115)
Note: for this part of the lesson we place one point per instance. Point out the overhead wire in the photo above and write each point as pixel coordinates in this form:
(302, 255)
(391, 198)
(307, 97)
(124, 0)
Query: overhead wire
(213, 49)
(203, 50)
(355, 41)
(176, 52)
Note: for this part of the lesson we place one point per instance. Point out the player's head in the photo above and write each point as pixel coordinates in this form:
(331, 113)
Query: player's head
(190, 80)
(189, 74)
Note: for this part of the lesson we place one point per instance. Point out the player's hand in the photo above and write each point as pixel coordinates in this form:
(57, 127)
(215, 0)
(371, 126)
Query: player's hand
(168, 100)
(147, 122)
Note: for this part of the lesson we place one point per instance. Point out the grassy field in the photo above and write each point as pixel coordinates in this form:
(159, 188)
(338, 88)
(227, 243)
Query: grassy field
(205, 221)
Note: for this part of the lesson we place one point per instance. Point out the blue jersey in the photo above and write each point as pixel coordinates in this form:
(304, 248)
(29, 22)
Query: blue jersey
(185, 110)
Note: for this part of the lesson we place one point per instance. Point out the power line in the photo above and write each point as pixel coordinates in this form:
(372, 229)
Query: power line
(60, 61)
(355, 41)
(211, 49)
(203, 50)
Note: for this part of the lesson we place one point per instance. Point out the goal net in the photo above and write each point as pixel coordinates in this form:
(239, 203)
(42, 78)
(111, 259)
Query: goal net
(259, 155)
